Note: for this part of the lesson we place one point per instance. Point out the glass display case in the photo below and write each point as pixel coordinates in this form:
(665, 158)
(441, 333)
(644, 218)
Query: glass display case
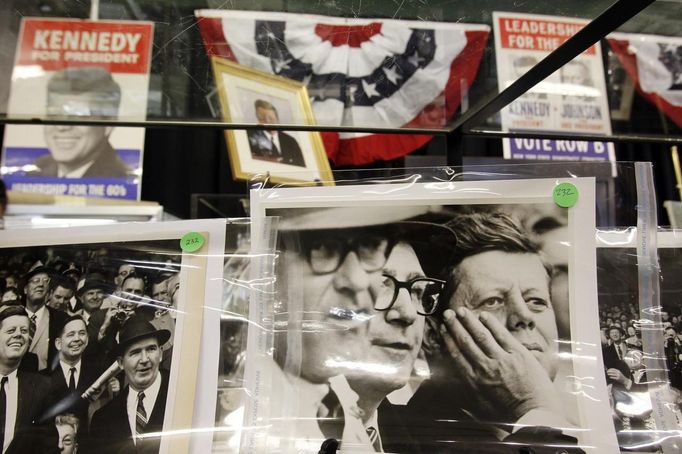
(182, 89)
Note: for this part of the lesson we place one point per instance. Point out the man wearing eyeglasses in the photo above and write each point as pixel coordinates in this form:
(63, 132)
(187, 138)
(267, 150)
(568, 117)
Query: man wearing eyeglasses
(124, 269)
(492, 351)
(357, 297)
(45, 322)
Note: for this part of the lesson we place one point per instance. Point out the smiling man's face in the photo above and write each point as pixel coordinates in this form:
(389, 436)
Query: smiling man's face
(140, 361)
(13, 337)
(514, 287)
(73, 341)
(74, 145)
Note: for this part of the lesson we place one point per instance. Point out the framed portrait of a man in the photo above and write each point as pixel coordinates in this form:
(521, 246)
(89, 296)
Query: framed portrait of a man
(431, 317)
(249, 96)
(105, 336)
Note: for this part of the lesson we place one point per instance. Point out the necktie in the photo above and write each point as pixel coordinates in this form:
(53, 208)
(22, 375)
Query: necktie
(3, 410)
(140, 417)
(72, 380)
(274, 149)
(373, 435)
(32, 327)
(620, 352)
(330, 416)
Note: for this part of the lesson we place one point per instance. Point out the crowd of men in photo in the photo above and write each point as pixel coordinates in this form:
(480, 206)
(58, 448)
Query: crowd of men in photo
(86, 337)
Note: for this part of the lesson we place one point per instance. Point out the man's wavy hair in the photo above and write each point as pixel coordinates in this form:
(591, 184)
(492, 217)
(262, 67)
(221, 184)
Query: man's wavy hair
(475, 233)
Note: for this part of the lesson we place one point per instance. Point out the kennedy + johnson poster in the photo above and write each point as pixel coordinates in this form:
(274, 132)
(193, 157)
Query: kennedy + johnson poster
(572, 101)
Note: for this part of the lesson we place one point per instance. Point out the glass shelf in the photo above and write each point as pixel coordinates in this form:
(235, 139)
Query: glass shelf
(182, 90)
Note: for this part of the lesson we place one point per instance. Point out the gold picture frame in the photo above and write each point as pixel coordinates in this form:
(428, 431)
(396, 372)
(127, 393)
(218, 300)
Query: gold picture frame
(284, 157)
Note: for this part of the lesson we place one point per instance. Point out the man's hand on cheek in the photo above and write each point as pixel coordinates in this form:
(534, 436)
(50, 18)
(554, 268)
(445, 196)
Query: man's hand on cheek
(502, 376)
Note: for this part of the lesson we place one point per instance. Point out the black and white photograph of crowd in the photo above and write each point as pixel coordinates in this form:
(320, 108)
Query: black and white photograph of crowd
(623, 352)
(86, 339)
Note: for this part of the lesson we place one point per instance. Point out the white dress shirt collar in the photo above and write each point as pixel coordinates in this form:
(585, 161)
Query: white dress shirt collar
(40, 314)
(66, 370)
(76, 173)
(274, 136)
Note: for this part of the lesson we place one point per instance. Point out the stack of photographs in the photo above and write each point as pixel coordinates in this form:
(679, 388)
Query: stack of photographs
(417, 318)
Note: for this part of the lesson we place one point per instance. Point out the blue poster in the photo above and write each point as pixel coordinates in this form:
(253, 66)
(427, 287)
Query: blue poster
(109, 173)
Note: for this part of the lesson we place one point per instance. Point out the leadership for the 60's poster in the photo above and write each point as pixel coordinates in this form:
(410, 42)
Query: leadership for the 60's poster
(78, 70)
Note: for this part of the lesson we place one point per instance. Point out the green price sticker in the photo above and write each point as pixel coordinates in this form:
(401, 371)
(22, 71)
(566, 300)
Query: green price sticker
(191, 242)
(565, 195)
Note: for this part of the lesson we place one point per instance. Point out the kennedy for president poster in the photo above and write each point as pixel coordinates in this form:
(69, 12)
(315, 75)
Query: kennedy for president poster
(78, 71)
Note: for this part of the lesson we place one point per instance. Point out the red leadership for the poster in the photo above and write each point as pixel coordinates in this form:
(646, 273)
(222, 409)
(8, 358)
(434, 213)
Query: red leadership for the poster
(55, 44)
(537, 34)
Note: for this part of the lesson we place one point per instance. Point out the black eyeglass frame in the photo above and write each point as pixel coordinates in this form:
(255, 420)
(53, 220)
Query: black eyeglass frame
(407, 285)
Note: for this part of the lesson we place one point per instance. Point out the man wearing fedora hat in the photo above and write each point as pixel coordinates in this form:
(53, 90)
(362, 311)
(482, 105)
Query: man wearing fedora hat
(45, 322)
(89, 297)
(120, 426)
(357, 295)
(23, 395)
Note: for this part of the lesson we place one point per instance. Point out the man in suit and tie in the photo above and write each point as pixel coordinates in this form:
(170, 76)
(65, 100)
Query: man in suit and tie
(23, 395)
(357, 273)
(270, 145)
(119, 427)
(45, 322)
(81, 151)
(615, 352)
(73, 375)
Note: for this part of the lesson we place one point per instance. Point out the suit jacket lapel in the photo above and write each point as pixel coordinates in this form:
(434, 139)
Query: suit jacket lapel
(122, 409)
(159, 410)
(59, 380)
(24, 400)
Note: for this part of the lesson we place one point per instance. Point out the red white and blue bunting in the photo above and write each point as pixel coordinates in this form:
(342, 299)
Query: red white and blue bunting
(655, 65)
(359, 72)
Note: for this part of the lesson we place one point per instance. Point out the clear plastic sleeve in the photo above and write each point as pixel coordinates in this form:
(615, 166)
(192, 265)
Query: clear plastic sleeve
(125, 338)
(447, 310)
(403, 310)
